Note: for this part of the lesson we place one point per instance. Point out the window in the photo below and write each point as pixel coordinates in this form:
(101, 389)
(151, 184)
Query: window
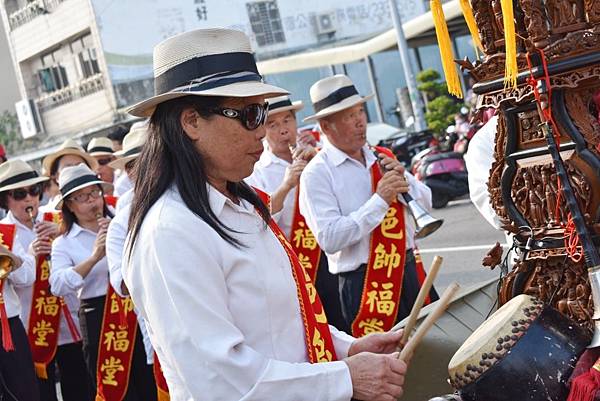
(53, 78)
(88, 62)
(266, 22)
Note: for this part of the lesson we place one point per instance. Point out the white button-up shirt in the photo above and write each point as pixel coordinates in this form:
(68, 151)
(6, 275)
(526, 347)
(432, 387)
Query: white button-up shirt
(225, 321)
(122, 184)
(341, 209)
(25, 236)
(268, 175)
(115, 245)
(70, 250)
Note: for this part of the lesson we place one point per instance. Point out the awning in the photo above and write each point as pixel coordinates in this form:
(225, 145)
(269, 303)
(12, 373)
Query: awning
(358, 51)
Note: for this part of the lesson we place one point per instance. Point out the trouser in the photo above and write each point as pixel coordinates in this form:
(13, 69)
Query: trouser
(68, 367)
(352, 284)
(327, 286)
(17, 374)
(142, 386)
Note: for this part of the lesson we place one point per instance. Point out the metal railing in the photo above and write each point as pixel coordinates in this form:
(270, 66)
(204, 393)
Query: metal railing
(32, 10)
(70, 93)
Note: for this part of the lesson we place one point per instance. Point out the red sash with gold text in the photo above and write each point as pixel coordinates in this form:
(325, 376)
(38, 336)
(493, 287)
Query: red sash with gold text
(385, 270)
(115, 351)
(7, 236)
(111, 200)
(161, 383)
(45, 313)
(304, 243)
(319, 344)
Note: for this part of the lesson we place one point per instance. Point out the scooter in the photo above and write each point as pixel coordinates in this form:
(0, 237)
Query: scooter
(445, 173)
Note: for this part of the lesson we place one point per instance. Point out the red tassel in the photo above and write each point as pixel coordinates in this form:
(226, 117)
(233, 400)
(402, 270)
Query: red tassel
(585, 386)
(70, 322)
(7, 342)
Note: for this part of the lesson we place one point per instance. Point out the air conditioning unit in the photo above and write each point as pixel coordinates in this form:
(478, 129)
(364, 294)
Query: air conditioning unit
(325, 23)
(29, 118)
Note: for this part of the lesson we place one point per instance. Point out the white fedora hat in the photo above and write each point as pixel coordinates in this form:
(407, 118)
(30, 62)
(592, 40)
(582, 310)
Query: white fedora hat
(132, 145)
(18, 174)
(283, 103)
(101, 146)
(332, 94)
(68, 147)
(74, 178)
(204, 62)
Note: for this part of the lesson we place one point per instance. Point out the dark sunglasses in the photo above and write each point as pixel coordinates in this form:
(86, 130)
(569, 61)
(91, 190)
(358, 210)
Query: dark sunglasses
(21, 193)
(104, 162)
(252, 116)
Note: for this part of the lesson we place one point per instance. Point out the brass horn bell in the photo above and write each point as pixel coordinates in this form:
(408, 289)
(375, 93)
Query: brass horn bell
(6, 266)
(426, 223)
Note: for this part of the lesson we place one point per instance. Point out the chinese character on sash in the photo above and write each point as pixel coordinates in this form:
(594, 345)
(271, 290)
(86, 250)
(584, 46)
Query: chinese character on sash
(47, 305)
(41, 331)
(389, 223)
(304, 238)
(116, 339)
(381, 299)
(371, 325)
(318, 343)
(391, 259)
(109, 369)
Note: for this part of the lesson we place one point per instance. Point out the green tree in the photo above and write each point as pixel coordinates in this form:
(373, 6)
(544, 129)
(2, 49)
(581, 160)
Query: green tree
(441, 108)
(10, 132)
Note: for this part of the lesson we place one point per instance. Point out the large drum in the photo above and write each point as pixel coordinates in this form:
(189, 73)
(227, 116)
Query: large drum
(524, 351)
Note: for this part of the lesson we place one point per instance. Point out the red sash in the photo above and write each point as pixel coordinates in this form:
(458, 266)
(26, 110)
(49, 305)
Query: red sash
(7, 236)
(318, 341)
(304, 243)
(161, 383)
(115, 351)
(385, 270)
(45, 313)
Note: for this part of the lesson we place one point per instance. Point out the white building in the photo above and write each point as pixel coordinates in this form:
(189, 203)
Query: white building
(79, 63)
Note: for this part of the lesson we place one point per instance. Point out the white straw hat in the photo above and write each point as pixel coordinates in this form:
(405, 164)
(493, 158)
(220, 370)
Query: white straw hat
(101, 146)
(74, 178)
(68, 147)
(333, 94)
(16, 173)
(204, 62)
(132, 145)
(283, 103)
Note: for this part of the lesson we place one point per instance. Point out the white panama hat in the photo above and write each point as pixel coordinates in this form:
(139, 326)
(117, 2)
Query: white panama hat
(100, 146)
(68, 147)
(283, 103)
(204, 62)
(74, 178)
(132, 145)
(332, 94)
(16, 173)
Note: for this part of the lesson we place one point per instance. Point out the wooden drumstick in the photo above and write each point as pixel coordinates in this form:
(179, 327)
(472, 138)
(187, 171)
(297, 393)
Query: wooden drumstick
(418, 305)
(442, 305)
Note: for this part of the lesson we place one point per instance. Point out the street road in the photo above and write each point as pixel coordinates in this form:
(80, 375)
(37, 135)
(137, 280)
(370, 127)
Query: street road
(462, 241)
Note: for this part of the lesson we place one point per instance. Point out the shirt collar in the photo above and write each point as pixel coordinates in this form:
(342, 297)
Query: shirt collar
(76, 229)
(337, 156)
(267, 157)
(13, 220)
(217, 202)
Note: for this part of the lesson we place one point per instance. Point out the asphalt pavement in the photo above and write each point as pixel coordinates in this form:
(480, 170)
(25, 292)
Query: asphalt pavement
(463, 240)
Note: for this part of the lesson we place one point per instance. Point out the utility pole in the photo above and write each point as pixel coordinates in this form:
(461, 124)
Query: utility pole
(415, 96)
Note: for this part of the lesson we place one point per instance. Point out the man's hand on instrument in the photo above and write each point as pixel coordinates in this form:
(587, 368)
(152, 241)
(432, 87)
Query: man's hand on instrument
(376, 377)
(391, 164)
(304, 152)
(377, 343)
(292, 173)
(391, 184)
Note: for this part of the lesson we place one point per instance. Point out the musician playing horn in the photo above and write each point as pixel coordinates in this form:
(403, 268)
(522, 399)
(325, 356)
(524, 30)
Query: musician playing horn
(229, 307)
(352, 207)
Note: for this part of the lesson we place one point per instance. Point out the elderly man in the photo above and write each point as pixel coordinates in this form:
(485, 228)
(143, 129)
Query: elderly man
(350, 201)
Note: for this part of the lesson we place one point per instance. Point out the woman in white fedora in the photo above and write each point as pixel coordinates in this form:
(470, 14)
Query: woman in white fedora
(17, 374)
(70, 153)
(277, 173)
(101, 149)
(78, 263)
(21, 198)
(229, 309)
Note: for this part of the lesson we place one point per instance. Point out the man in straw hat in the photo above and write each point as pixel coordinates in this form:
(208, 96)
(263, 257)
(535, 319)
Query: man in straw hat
(17, 374)
(70, 153)
(277, 173)
(22, 199)
(101, 150)
(229, 307)
(352, 207)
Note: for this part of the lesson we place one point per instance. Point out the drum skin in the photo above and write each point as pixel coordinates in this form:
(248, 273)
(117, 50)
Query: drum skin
(537, 367)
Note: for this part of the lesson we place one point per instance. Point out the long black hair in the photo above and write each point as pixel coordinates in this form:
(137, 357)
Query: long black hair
(169, 156)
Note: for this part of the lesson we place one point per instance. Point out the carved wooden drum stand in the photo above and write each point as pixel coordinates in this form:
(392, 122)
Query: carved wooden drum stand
(523, 184)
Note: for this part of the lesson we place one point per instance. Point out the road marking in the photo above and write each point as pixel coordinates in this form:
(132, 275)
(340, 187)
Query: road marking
(461, 248)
